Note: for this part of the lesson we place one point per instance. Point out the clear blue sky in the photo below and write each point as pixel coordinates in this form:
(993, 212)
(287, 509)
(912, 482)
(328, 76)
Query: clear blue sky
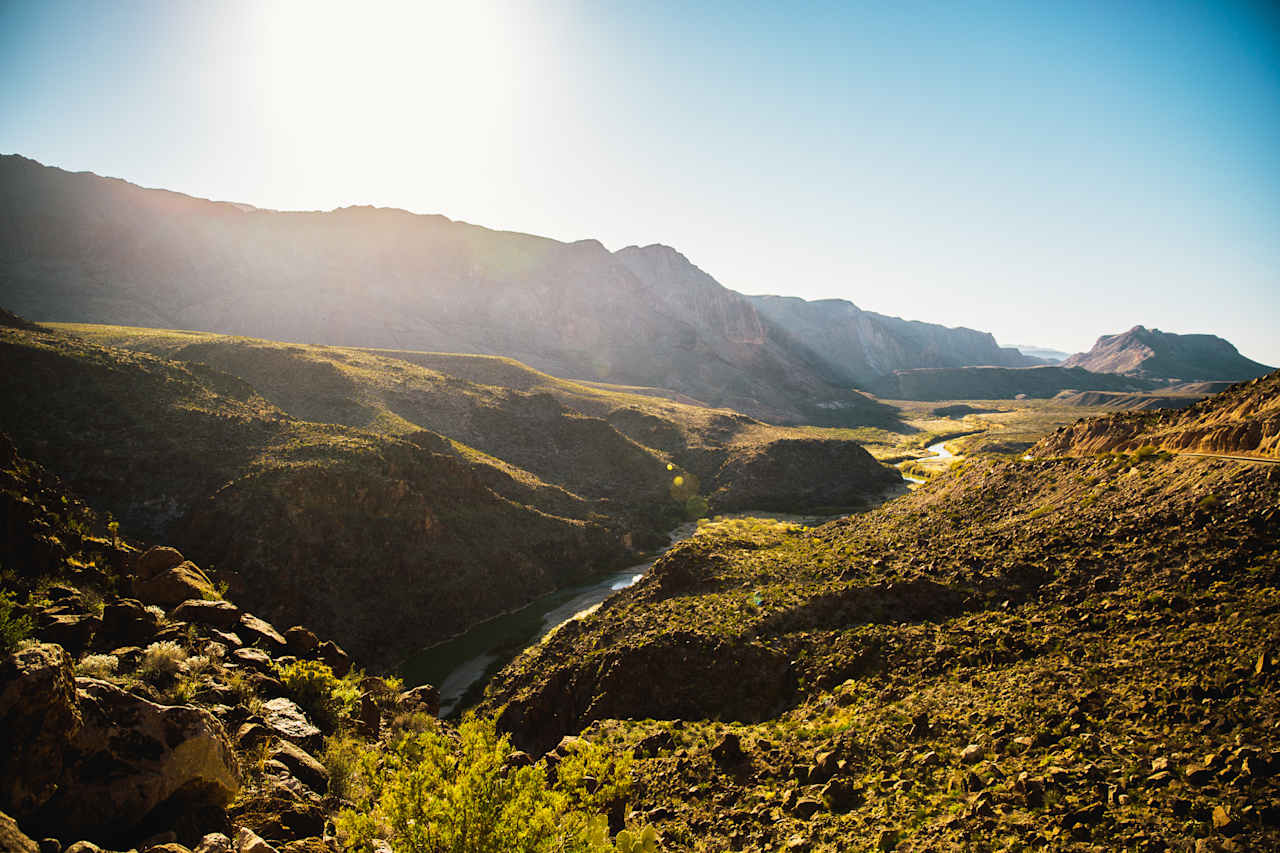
(1045, 171)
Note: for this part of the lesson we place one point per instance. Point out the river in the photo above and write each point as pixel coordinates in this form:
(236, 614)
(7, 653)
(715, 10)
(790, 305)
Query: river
(460, 666)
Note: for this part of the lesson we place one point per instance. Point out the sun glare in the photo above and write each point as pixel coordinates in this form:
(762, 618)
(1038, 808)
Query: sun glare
(381, 80)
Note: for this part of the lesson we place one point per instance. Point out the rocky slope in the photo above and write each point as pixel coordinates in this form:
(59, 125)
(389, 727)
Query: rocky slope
(1064, 654)
(1244, 420)
(1153, 354)
(863, 346)
(145, 710)
(997, 383)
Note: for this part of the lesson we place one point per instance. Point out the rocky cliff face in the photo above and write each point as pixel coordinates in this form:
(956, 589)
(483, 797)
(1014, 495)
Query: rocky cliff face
(1153, 354)
(862, 346)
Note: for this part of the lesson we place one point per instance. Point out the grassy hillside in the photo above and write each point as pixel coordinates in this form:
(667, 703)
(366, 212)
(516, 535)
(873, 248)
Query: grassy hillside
(1063, 653)
(597, 444)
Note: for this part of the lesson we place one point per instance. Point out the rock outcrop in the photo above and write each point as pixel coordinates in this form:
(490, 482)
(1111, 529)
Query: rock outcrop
(1153, 354)
(39, 714)
(134, 760)
(1241, 421)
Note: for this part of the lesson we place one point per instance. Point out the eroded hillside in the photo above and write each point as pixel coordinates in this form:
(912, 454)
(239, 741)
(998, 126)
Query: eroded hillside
(1244, 420)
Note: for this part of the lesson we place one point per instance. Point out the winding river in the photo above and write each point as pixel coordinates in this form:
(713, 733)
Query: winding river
(460, 666)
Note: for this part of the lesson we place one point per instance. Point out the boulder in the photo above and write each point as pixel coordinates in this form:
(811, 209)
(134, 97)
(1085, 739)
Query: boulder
(300, 641)
(230, 639)
(214, 842)
(214, 614)
(156, 561)
(277, 812)
(332, 654)
(68, 627)
(425, 698)
(248, 841)
(38, 713)
(126, 622)
(303, 766)
(137, 761)
(12, 839)
(254, 659)
(728, 750)
(288, 722)
(174, 586)
(255, 630)
(807, 807)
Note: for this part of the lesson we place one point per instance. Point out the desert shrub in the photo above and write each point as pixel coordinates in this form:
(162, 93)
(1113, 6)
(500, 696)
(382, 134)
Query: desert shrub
(98, 666)
(429, 793)
(199, 664)
(325, 698)
(1148, 452)
(163, 659)
(1208, 502)
(1040, 511)
(594, 777)
(341, 757)
(14, 627)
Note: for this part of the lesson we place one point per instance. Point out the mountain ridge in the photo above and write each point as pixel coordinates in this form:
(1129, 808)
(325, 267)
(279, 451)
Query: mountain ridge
(1153, 354)
(82, 248)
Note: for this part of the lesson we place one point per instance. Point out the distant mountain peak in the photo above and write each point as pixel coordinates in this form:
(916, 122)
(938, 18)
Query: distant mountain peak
(1154, 354)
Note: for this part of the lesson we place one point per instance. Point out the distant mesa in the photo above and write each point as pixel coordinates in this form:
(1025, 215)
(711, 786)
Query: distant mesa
(1046, 354)
(1153, 354)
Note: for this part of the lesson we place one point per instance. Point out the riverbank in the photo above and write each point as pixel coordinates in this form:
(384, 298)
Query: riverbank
(461, 665)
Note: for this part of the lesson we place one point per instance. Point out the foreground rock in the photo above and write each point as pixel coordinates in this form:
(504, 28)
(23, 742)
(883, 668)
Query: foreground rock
(135, 762)
(38, 715)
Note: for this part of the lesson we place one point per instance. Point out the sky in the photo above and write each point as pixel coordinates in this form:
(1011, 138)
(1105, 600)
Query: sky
(1046, 171)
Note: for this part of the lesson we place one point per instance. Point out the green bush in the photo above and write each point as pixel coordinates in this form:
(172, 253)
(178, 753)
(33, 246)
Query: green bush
(13, 629)
(312, 685)
(594, 777)
(431, 793)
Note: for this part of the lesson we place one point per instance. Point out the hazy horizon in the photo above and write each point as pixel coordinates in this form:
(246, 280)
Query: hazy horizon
(1047, 174)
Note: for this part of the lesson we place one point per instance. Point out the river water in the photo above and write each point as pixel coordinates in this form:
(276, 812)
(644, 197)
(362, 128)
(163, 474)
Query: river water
(460, 666)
